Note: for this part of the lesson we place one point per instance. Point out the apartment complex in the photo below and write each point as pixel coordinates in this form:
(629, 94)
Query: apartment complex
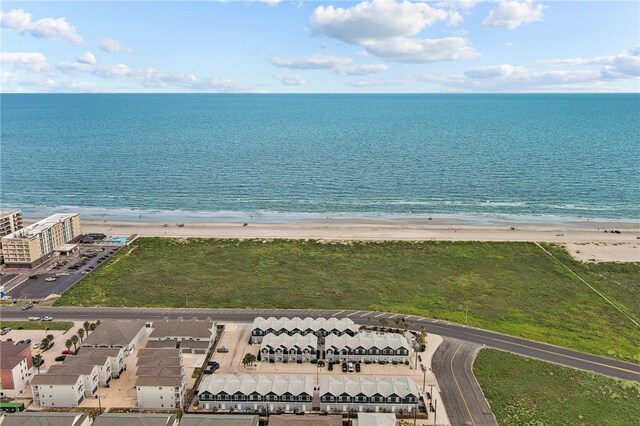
(256, 393)
(195, 337)
(367, 347)
(285, 348)
(30, 246)
(16, 368)
(122, 334)
(160, 386)
(369, 394)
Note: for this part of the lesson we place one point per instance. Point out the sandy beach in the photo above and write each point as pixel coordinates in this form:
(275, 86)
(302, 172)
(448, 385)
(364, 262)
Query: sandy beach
(588, 241)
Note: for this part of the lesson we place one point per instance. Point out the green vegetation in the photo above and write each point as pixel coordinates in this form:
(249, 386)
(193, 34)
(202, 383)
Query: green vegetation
(514, 288)
(523, 391)
(37, 325)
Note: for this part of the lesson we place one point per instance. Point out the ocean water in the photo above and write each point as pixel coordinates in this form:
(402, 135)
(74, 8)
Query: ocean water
(274, 156)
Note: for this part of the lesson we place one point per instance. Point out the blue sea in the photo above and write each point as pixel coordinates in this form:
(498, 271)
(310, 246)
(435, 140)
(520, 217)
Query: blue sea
(277, 157)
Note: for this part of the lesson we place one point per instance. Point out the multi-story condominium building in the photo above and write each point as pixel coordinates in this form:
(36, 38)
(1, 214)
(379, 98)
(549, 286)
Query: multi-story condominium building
(373, 394)
(16, 368)
(188, 336)
(121, 334)
(263, 326)
(102, 363)
(10, 222)
(114, 355)
(30, 246)
(367, 347)
(31, 418)
(256, 393)
(89, 375)
(160, 386)
(54, 390)
(289, 348)
(219, 420)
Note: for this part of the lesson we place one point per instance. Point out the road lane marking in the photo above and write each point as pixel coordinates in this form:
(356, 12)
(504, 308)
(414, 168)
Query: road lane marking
(393, 316)
(379, 315)
(365, 314)
(458, 385)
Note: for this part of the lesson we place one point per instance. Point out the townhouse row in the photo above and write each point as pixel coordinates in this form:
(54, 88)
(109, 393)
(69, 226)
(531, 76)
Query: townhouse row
(323, 326)
(255, 393)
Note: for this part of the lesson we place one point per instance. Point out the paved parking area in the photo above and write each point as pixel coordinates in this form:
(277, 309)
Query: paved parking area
(25, 287)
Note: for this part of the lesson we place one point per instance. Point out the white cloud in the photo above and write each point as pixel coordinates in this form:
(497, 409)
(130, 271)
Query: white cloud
(365, 69)
(32, 61)
(109, 44)
(291, 79)
(314, 62)
(494, 71)
(12, 83)
(625, 64)
(47, 28)
(423, 50)
(384, 28)
(513, 13)
(87, 58)
(338, 64)
(269, 2)
(375, 20)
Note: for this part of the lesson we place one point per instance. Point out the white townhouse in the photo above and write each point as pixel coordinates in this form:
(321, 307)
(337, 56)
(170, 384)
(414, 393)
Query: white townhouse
(369, 394)
(160, 383)
(190, 336)
(120, 334)
(16, 368)
(263, 326)
(52, 390)
(89, 374)
(102, 363)
(251, 393)
(115, 356)
(289, 348)
(367, 347)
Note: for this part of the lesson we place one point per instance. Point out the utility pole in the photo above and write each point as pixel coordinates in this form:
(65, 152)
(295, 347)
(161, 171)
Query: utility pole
(99, 404)
(424, 380)
(415, 413)
(435, 411)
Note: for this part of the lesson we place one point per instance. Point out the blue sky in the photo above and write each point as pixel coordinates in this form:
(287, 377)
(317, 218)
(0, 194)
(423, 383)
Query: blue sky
(309, 46)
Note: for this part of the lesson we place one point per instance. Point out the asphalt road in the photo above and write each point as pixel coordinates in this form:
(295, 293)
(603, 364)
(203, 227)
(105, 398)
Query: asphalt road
(567, 357)
(463, 399)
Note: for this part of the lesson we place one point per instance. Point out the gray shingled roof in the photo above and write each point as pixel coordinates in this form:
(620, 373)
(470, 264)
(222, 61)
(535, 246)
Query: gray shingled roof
(158, 353)
(176, 328)
(89, 352)
(159, 371)
(43, 419)
(114, 333)
(218, 420)
(55, 379)
(175, 381)
(159, 362)
(306, 420)
(134, 419)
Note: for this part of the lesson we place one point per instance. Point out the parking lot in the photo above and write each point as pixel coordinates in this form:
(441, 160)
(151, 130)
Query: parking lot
(34, 285)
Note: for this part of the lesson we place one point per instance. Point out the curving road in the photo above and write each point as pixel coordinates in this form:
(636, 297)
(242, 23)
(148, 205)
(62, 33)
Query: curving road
(463, 399)
(542, 351)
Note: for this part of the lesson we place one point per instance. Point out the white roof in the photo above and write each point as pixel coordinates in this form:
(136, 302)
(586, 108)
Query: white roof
(376, 419)
(366, 341)
(288, 342)
(369, 386)
(247, 384)
(36, 228)
(308, 323)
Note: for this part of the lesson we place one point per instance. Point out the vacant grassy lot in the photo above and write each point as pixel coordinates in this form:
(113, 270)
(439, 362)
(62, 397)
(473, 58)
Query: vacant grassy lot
(522, 391)
(514, 288)
(37, 325)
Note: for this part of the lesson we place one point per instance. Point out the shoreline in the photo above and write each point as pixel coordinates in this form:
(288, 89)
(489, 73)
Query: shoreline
(585, 240)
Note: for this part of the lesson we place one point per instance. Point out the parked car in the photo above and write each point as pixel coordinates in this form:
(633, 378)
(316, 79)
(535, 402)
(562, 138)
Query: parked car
(50, 279)
(330, 368)
(357, 367)
(344, 367)
(214, 366)
(28, 306)
(33, 277)
(5, 330)
(67, 352)
(223, 349)
(350, 367)
(61, 358)
(47, 319)
(37, 345)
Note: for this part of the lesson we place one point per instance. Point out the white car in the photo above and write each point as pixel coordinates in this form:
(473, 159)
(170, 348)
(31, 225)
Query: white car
(34, 318)
(37, 345)
(50, 279)
(47, 319)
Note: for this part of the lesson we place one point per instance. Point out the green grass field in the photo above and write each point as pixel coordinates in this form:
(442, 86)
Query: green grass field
(37, 325)
(522, 391)
(515, 288)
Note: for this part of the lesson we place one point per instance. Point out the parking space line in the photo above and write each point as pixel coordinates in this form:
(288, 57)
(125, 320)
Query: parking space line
(379, 315)
(365, 314)
(393, 316)
(353, 313)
